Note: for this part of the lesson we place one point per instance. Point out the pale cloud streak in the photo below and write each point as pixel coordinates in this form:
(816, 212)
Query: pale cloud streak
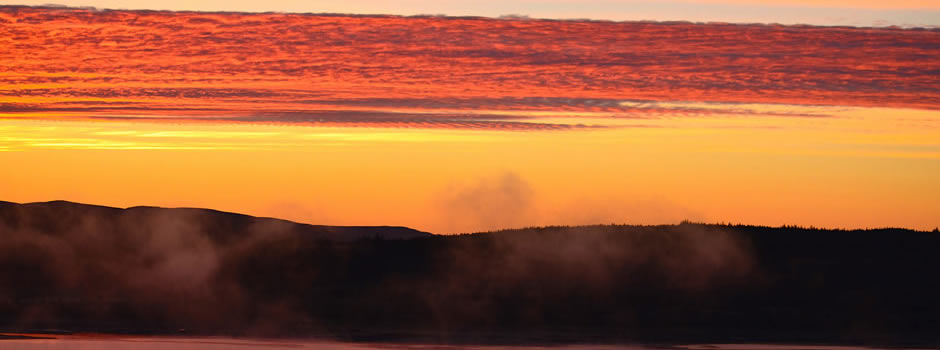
(815, 12)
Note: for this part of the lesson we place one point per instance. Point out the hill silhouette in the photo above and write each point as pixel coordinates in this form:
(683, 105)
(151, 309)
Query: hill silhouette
(63, 216)
(75, 267)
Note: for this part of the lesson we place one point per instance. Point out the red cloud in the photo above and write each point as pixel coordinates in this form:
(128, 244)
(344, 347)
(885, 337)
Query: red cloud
(137, 62)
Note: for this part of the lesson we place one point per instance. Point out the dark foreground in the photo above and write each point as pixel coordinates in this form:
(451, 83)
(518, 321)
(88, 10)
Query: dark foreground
(207, 343)
(67, 268)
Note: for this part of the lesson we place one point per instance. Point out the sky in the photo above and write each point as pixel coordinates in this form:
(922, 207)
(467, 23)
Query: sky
(464, 124)
(909, 13)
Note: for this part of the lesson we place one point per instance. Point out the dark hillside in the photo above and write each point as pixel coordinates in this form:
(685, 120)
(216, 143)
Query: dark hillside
(83, 268)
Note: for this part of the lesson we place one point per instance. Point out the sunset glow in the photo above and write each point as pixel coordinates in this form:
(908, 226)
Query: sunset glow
(465, 124)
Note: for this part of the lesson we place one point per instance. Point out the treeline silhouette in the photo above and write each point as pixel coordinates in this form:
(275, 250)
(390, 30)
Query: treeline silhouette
(606, 283)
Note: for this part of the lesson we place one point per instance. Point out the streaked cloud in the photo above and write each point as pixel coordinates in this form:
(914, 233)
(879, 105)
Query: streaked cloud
(815, 12)
(437, 72)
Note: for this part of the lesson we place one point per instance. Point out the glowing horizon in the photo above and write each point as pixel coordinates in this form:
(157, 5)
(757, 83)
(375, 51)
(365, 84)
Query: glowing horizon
(465, 124)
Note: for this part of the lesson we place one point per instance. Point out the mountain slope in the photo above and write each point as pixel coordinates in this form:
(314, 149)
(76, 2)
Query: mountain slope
(58, 217)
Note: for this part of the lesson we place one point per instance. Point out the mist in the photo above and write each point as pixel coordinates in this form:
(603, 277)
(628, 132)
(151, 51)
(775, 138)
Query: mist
(508, 199)
(142, 270)
(490, 203)
(66, 265)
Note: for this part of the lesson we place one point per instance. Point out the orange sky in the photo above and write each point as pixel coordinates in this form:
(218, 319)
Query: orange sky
(455, 125)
